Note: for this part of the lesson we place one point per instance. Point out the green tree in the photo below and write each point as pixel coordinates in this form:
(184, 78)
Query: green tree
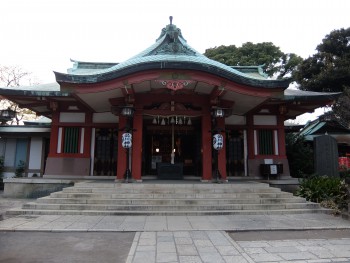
(275, 62)
(328, 70)
(341, 108)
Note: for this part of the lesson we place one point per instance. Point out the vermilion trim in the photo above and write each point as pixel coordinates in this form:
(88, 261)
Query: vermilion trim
(222, 153)
(137, 146)
(121, 167)
(193, 75)
(206, 147)
(54, 135)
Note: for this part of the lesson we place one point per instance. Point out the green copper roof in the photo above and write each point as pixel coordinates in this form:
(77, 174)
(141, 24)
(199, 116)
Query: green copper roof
(171, 51)
(301, 95)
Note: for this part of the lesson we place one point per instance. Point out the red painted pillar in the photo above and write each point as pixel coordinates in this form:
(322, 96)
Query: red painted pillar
(136, 169)
(54, 134)
(206, 147)
(222, 152)
(121, 167)
(281, 137)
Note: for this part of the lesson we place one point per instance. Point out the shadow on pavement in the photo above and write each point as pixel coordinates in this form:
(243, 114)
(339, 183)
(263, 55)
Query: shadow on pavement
(58, 247)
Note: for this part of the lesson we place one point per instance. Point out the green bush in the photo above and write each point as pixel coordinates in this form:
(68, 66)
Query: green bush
(20, 169)
(325, 190)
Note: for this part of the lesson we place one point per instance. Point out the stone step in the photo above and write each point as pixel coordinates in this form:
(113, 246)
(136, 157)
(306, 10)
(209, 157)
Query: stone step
(168, 199)
(104, 207)
(166, 213)
(169, 190)
(162, 196)
(175, 187)
(178, 201)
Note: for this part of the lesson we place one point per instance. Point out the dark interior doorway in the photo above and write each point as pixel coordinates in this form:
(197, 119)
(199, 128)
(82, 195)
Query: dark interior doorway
(158, 141)
(106, 152)
(235, 153)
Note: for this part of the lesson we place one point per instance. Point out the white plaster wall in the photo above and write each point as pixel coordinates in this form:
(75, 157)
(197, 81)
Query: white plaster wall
(265, 120)
(235, 120)
(72, 117)
(245, 153)
(276, 142)
(92, 151)
(255, 143)
(59, 140)
(104, 117)
(82, 136)
(35, 153)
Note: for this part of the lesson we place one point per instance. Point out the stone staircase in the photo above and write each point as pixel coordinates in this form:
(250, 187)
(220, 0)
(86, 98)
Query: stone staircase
(101, 198)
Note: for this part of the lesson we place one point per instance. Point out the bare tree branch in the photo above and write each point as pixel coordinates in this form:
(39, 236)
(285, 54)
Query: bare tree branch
(14, 76)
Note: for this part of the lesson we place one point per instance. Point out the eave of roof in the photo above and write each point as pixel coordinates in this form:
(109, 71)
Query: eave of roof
(43, 90)
(86, 68)
(300, 95)
(312, 128)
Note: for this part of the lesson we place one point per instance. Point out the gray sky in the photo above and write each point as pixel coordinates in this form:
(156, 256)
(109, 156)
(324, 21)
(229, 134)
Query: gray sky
(42, 35)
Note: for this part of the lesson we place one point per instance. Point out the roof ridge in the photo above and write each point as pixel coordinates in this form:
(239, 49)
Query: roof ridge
(170, 42)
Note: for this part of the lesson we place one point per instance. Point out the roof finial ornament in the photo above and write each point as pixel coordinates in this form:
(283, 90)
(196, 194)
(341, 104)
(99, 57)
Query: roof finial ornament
(171, 20)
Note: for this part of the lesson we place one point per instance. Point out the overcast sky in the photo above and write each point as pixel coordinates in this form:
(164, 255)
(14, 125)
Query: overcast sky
(43, 35)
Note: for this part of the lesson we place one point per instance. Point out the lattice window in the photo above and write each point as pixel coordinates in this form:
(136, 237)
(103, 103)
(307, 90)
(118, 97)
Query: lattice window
(265, 142)
(71, 140)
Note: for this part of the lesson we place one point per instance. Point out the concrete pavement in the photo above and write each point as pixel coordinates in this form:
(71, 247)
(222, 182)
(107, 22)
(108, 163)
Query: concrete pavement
(178, 238)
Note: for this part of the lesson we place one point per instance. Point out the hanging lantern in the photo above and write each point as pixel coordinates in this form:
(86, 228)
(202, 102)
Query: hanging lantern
(218, 112)
(127, 111)
(218, 141)
(127, 140)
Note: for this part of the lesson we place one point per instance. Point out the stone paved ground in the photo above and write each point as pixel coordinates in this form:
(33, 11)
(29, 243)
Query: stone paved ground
(218, 246)
(173, 223)
(174, 238)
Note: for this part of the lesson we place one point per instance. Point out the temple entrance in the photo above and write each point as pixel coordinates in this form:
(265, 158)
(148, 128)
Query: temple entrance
(183, 140)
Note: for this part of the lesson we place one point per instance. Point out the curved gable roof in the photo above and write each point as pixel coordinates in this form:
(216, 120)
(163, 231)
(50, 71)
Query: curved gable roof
(170, 51)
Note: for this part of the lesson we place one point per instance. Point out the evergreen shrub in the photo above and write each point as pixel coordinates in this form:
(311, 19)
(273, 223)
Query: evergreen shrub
(330, 192)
